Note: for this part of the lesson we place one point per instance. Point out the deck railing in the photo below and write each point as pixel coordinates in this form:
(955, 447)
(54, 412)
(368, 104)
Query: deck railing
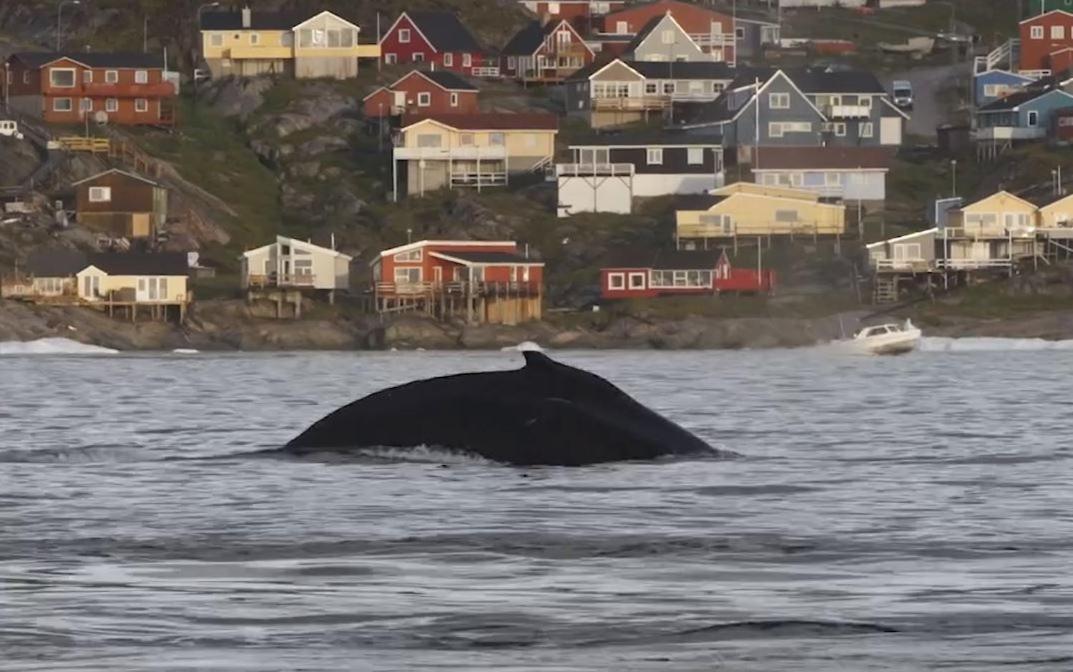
(280, 280)
(520, 288)
(638, 103)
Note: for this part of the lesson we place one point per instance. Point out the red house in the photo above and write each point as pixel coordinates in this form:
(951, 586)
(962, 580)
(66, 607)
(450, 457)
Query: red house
(1046, 41)
(482, 281)
(422, 92)
(679, 273)
(583, 14)
(435, 37)
(115, 88)
(712, 31)
(547, 54)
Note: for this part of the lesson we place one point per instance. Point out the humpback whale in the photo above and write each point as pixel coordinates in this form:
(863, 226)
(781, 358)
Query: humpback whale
(545, 413)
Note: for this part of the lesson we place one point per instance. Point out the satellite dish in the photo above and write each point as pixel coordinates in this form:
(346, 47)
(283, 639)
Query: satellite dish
(100, 117)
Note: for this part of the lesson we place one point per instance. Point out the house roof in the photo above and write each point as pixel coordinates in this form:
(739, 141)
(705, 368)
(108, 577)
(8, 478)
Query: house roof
(444, 31)
(141, 263)
(697, 201)
(647, 29)
(804, 158)
(259, 20)
(90, 59)
(527, 40)
(663, 69)
(444, 79)
(485, 258)
(704, 260)
(1015, 100)
(55, 262)
(651, 139)
(489, 121)
(118, 171)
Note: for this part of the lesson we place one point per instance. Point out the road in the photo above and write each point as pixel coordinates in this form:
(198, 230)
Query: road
(935, 96)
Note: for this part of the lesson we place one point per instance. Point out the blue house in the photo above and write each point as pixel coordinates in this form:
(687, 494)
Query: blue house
(1027, 115)
(991, 85)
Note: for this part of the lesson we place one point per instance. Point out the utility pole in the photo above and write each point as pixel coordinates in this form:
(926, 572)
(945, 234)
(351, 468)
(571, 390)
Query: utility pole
(145, 35)
(59, 21)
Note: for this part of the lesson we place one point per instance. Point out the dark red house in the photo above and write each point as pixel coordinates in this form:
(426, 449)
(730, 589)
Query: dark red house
(422, 92)
(644, 274)
(435, 37)
(116, 88)
(546, 54)
(1046, 41)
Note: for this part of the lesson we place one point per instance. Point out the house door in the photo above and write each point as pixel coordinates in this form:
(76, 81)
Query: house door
(437, 275)
(143, 290)
(400, 98)
(890, 131)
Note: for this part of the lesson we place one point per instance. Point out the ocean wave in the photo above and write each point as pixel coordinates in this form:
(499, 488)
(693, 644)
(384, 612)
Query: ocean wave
(524, 346)
(52, 346)
(982, 344)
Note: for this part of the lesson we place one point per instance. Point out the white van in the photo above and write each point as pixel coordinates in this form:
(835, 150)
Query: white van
(10, 129)
(902, 92)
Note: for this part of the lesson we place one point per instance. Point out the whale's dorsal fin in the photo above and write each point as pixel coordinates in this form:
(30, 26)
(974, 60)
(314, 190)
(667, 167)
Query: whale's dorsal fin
(537, 359)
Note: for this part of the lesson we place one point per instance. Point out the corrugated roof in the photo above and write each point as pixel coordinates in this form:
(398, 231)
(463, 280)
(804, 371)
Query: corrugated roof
(803, 158)
(141, 263)
(489, 120)
(92, 59)
(445, 31)
(259, 20)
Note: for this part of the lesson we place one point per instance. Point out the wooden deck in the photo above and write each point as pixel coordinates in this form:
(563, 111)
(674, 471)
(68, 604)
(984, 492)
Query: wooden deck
(477, 302)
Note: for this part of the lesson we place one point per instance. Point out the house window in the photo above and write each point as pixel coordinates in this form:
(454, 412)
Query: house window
(637, 280)
(454, 100)
(512, 63)
(111, 105)
(496, 139)
(63, 78)
(141, 77)
(424, 99)
(739, 33)
(667, 37)
(428, 140)
(404, 35)
(467, 60)
(1036, 33)
(1033, 118)
(908, 252)
(717, 87)
(465, 139)
(779, 101)
(1058, 32)
(654, 157)
(616, 280)
(695, 156)
(87, 76)
(866, 129)
(553, 8)
(840, 129)
(651, 88)
(141, 105)
(774, 129)
(111, 76)
(408, 275)
(100, 194)
(390, 58)
(62, 105)
(216, 40)
(448, 60)
(419, 57)
(668, 88)
(85, 105)
(255, 38)
(410, 255)
(622, 28)
(286, 40)
(786, 216)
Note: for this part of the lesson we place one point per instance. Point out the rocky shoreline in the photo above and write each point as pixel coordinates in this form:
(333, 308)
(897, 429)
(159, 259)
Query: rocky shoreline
(229, 325)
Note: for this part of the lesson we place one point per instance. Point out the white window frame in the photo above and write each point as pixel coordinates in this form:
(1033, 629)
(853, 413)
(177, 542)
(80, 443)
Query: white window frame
(637, 285)
(404, 275)
(141, 76)
(100, 194)
(52, 81)
(111, 76)
(454, 99)
(512, 62)
(419, 57)
(408, 255)
(778, 100)
(467, 60)
(404, 35)
(497, 139)
(390, 58)
(448, 60)
(111, 105)
(1058, 32)
(666, 37)
(695, 156)
(1035, 33)
(774, 129)
(87, 76)
(56, 105)
(616, 281)
(622, 27)
(867, 129)
(141, 105)
(424, 99)
(654, 156)
(839, 128)
(1032, 118)
(85, 105)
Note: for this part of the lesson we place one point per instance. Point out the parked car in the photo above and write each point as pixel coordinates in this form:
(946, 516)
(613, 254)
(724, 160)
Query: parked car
(10, 128)
(902, 93)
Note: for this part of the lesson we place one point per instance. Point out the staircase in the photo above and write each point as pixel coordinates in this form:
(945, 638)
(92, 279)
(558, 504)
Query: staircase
(1004, 57)
(885, 290)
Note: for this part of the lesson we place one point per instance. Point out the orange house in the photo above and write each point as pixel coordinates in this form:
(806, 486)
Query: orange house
(483, 281)
(117, 88)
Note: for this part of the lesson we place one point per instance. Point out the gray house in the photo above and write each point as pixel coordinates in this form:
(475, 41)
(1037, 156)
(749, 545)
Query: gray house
(664, 39)
(751, 36)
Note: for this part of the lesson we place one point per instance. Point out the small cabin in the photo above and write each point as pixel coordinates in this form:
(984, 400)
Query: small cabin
(679, 273)
(121, 204)
(295, 264)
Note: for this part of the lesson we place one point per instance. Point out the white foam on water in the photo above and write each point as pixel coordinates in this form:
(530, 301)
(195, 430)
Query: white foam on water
(421, 454)
(524, 346)
(52, 346)
(185, 351)
(942, 344)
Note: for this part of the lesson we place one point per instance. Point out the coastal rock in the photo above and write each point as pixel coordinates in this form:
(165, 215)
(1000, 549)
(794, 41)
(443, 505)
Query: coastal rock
(238, 96)
(413, 332)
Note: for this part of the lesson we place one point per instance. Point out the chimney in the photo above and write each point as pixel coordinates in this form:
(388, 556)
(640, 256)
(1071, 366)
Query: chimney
(246, 16)
(333, 240)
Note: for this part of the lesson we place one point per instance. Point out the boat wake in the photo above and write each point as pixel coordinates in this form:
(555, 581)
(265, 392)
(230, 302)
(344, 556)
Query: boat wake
(52, 346)
(942, 344)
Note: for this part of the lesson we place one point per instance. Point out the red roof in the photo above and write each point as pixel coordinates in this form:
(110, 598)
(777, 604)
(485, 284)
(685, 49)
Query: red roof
(490, 121)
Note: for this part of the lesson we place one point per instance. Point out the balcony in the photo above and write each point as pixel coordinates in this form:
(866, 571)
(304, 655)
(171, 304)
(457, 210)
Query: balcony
(103, 90)
(1000, 133)
(504, 289)
(245, 52)
(848, 111)
(280, 280)
(467, 153)
(594, 169)
(638, 104)
(904, 265)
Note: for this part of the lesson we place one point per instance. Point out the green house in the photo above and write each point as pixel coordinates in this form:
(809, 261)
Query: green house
(1037, 7)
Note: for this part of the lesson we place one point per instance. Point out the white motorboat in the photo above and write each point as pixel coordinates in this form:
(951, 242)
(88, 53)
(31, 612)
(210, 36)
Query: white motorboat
(886, 339)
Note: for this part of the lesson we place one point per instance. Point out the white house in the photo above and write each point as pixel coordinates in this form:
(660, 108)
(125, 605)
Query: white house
(296, 264)
(846, 173)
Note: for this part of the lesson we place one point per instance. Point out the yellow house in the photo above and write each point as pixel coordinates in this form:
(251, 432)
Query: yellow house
(247, 43)
(743, 209)
(131, 280)
(1056, 218)
(470, 150)
(1000, 215)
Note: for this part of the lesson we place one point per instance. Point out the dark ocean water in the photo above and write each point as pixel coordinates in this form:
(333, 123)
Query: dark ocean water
(911, 513)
